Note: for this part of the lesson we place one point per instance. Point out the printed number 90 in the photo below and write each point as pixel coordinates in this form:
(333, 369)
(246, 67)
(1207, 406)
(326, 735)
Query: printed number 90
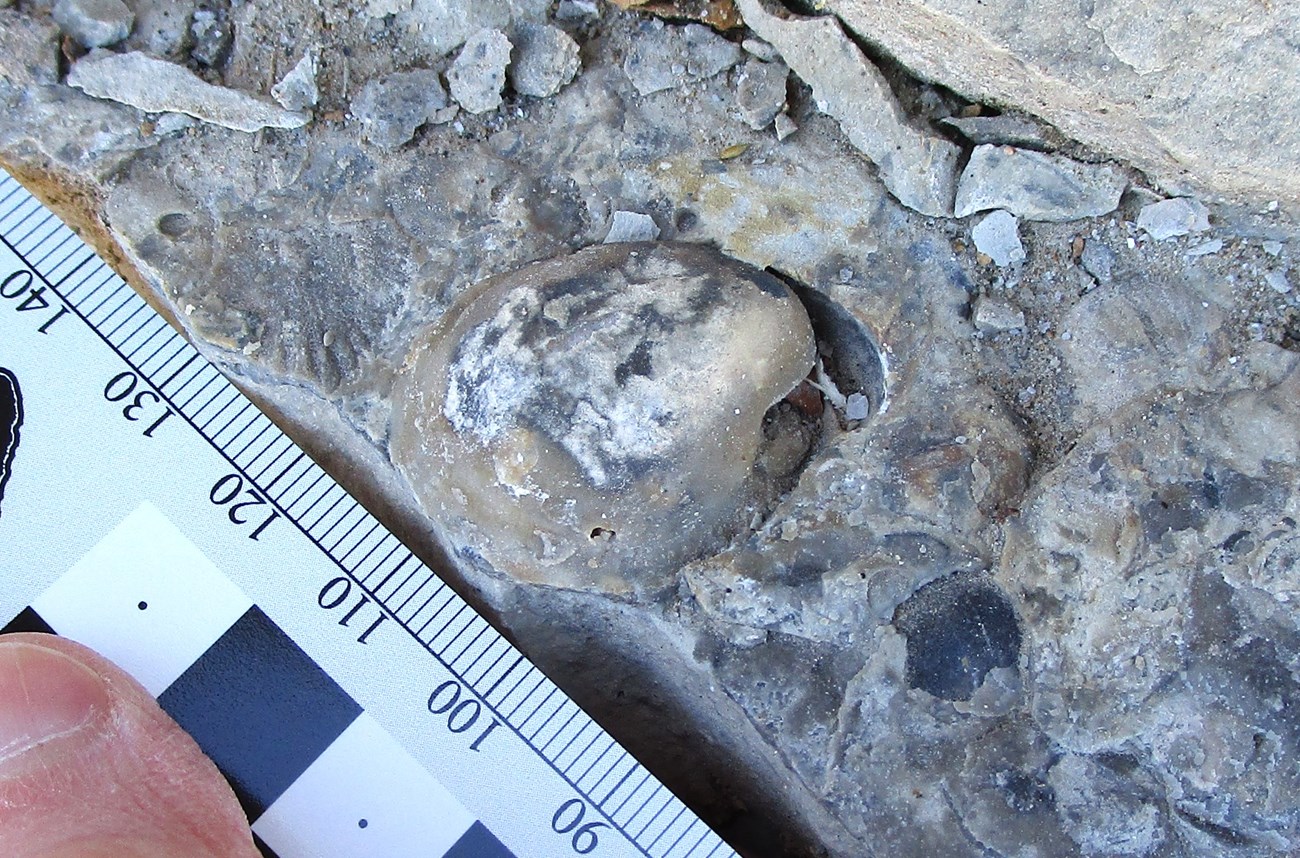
(569, 818)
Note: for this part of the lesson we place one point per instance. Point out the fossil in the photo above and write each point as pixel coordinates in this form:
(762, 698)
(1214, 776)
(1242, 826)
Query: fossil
(596, 420)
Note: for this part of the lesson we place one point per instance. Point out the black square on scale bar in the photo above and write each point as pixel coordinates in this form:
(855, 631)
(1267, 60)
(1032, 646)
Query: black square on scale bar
(26, 621)
(260, 708)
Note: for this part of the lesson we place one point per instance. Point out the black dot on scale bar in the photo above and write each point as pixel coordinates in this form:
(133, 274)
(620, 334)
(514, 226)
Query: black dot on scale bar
(361, 823)
(142, 605)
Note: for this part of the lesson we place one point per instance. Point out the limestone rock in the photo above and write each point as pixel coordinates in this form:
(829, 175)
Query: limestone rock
(631, 226)
(431, 29)
(478, 74)
(391, 108)
(665, 57)
(94, 23)
(997, 236)
(545, 58)
(211, 32)
(593, 422)
(993, 317)
(1007, 129)
(1118, 77)
(760, 92)
(297, 89)
(1170, 218)
(157, 86)
(1190, 541)
(1036, 186)
(161, 27)
(28, 50)
(920, 169)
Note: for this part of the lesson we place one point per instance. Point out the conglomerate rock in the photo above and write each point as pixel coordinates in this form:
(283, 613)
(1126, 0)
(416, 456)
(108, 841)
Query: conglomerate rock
(1030, 590)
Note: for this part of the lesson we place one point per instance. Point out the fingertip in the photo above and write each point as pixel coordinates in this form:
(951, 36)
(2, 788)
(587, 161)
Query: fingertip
(91, 766)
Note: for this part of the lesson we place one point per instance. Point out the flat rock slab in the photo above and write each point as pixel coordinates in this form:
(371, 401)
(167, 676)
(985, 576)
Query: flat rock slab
(1036, 186)
(1171, 218)
(157, 86)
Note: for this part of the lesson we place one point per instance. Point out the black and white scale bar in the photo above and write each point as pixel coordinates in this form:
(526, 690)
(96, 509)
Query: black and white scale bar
(514, 690)
(314, 773)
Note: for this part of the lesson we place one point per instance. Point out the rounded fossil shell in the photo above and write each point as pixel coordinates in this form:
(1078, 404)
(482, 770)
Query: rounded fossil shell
(593, 421)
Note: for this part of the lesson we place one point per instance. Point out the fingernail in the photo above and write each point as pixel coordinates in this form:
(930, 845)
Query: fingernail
(44, 696)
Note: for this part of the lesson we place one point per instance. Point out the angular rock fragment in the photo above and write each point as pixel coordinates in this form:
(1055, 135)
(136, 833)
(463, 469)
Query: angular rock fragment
(1036, 186)
(1098, 260)
(478, 73)
(994, 317)
(594, 421)
(394, 106)
(94, 23)
(760, 92)
(545, 58)
(157, 86)
(297, 89)
(997, 236)
(784, 126)
(918, 168)
(631, 226)
(1170, 218)
(664, 57)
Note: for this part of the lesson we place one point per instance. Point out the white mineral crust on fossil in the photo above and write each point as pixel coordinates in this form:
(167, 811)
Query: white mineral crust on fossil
(594, 421)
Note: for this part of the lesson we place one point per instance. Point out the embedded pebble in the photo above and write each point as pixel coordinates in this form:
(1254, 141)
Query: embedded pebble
(595, 420)
(478, 74)
(992, 316)
(631, 226)
(665, 57)
(784, 125)
(1272, 248)
(760, 92)
(297, 89)
(997, 236)
(1174, 217)
(1098, 260)
(1277, 281)
(392, 107)
(1036, 186)
(1206, 248)
(157, 86)
(94, 23)
(545, 58)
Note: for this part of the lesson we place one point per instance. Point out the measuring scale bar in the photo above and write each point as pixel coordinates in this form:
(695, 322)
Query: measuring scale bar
(357, 705)
(284, 734)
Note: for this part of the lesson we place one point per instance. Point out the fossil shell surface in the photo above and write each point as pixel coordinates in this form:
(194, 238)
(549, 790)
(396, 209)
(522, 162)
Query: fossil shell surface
(594, 421)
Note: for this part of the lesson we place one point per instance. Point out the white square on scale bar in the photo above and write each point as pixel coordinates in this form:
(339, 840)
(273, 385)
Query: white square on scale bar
(146, 597)
(364, 796)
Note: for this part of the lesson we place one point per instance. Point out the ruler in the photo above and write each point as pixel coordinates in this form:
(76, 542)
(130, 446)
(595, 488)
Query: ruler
(355, 703)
